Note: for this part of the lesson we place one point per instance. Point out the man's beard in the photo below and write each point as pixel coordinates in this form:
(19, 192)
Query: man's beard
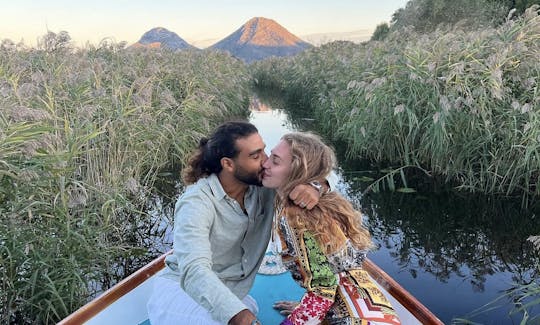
(248, 178)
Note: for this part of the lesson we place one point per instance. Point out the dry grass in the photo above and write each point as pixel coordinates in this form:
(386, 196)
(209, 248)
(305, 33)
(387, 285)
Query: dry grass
(461, 105)
(84, 134)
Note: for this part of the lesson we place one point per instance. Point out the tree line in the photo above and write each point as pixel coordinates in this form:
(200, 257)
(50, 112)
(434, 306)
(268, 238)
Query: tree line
(427, 15)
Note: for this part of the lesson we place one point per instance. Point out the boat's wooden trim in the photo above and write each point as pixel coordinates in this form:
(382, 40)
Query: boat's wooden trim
(86, 312)
(92, 308)
(415, 307)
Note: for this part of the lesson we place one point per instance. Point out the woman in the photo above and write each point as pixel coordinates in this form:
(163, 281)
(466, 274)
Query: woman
(324, 247)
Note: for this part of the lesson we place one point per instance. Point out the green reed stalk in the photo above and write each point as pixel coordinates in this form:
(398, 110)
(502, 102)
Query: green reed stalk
(84, 135)
(461, 105)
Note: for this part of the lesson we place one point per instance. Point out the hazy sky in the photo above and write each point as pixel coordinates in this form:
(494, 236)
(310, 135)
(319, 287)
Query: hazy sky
(196, 21)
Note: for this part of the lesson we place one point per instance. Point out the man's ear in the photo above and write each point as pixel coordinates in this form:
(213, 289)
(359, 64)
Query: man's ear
(227, 164)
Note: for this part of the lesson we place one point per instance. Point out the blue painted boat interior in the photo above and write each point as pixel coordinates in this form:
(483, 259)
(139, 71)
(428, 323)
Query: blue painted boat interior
(271, 288)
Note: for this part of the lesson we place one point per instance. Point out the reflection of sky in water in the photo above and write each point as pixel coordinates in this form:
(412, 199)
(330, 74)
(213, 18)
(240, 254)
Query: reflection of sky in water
(271, 125)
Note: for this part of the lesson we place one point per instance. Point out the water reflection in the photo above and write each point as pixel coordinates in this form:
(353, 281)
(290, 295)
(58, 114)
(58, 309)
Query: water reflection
(455, 252)
(256, 105)
(473, 247)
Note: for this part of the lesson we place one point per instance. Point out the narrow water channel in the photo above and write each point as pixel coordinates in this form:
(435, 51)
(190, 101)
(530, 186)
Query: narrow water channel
(458, 254)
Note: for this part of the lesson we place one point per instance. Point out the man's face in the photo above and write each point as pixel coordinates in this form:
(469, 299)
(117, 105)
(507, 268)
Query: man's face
(251, 156)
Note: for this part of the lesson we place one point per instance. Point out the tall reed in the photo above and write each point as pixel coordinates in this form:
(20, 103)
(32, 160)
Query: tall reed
(461, 105)
(84, 134)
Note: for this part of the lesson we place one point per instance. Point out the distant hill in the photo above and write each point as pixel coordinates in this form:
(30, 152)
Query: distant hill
(356, 36)
(160, 37)
(261, 38)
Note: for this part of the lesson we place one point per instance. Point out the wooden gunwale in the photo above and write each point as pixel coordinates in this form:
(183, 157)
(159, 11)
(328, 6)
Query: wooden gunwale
(97, 305)
(91, 309)
(415, 307)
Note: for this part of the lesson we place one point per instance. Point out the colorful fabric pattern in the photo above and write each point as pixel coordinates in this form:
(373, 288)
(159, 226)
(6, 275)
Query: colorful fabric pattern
(338, 290)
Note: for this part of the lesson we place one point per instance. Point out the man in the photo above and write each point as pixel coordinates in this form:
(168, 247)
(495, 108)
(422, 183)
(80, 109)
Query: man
(222, 227)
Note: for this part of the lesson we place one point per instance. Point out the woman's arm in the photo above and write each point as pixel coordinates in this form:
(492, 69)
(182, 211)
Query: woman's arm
(321, 284)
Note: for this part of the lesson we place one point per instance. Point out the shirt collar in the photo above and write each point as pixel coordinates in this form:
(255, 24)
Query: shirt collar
(216, 187)
(219, 192)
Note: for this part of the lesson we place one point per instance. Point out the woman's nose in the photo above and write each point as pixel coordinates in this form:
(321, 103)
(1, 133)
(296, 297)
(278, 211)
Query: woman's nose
(265, 163)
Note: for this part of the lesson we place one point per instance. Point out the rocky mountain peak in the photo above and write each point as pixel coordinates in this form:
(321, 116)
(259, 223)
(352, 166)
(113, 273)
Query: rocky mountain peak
(162, 38)
(260, 38)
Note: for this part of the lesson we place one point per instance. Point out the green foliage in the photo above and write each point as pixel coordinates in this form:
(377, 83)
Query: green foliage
(52, 42)
(519, 5)
(388, 181)
(427, 15)
(525, 298)
(84, 135)
(461, 105)
(380, 33)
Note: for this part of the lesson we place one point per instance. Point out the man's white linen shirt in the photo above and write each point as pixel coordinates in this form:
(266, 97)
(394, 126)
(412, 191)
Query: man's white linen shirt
(217, 247)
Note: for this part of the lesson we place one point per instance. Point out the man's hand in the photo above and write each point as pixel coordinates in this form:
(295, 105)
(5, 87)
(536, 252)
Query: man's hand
(305, 196)
(245, 317)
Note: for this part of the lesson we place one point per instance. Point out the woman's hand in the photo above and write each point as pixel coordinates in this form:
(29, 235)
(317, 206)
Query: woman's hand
(285, 307)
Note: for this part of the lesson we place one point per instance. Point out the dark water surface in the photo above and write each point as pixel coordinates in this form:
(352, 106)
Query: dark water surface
(461, 255)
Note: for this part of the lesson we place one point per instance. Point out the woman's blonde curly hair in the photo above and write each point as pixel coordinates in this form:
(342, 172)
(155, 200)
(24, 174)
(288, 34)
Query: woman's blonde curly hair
(334, 219)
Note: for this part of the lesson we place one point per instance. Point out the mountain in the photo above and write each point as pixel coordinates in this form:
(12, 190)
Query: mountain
(160, 37)
(261, 38)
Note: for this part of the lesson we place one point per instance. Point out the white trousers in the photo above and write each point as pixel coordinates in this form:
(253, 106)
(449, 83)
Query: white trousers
(169, 304)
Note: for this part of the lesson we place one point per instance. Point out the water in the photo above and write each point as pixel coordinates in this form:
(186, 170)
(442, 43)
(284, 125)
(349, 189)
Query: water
(271, 125)
(456, 253)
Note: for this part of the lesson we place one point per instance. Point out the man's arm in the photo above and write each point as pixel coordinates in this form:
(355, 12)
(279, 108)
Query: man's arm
(245, 317)
(192, 224)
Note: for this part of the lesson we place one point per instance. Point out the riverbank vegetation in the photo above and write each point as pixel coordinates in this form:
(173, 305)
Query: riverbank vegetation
(84, 135)
(459, 104)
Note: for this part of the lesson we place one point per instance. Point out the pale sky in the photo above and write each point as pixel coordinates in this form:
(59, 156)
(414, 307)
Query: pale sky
(196, 21)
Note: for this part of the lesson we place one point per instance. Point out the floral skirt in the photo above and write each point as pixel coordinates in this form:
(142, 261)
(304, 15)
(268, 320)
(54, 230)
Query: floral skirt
(358, 300)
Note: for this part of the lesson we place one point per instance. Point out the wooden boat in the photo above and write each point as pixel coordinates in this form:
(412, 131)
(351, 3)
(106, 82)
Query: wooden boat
(125, 303)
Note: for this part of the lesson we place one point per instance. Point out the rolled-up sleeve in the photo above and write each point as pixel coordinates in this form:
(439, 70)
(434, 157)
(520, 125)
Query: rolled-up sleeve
(193, 220)
(332, 180)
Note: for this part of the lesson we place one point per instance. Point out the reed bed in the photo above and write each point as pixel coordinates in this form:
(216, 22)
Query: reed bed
(463, 106)
(84, 135)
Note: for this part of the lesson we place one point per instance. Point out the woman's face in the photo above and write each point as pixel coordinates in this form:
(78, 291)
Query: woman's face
(278, 166)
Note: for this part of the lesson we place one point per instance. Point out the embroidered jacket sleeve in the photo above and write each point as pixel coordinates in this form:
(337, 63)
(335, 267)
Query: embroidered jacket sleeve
(319, 280)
